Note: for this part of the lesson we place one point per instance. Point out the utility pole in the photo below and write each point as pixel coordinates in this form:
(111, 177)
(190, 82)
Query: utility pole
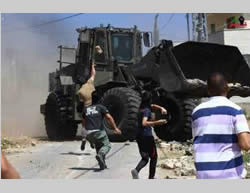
(194, 32)
(188, 30)
(156, 31)
(199, 22)
(205, 26)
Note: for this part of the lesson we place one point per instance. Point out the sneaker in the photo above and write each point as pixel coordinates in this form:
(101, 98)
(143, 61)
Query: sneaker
(100, 162)
(135, 174)
(83, 145)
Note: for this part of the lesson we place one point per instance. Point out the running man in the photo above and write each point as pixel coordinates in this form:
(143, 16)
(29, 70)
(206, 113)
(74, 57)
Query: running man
(93, 116)
(145, 139)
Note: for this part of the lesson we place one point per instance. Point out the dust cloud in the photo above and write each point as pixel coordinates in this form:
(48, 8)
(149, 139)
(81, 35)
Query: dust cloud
(28, 55)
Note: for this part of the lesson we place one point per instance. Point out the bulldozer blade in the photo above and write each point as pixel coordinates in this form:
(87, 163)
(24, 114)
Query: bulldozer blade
(171, 77)
(197, 60)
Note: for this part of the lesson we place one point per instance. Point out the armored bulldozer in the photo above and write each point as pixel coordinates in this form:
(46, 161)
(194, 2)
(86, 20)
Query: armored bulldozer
(175, 75)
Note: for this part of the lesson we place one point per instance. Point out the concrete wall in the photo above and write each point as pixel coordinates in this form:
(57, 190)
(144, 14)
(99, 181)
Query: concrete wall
(246, 16)
(239, 38)
(217, 37)
(234, 37)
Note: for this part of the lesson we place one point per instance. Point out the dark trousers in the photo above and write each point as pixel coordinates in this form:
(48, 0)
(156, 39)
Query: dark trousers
(148, 151)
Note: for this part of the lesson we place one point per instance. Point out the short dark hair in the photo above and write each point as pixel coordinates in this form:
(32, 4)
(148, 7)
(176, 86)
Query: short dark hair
(146, 99)
(217, 84)
(95, 97)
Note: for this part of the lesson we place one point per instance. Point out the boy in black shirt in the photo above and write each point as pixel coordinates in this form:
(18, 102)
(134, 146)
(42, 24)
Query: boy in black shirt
(93, 116)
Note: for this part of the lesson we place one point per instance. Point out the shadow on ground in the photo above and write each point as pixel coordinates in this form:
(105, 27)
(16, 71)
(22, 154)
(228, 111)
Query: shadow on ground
(86, 169)
(77, 138)
(74, 153)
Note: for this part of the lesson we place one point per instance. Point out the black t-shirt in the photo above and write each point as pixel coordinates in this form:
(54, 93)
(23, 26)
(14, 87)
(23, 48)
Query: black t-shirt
(93, 116)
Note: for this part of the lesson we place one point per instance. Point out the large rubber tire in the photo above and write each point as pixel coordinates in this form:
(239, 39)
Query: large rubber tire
(179, 126)
(188, 107)
(56, 123)
(123, 104)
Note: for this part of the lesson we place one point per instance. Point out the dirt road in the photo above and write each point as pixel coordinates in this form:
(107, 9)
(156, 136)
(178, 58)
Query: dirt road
(65, 160)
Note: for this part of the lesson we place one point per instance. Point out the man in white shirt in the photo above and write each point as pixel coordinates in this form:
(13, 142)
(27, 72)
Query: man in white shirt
(220, 132)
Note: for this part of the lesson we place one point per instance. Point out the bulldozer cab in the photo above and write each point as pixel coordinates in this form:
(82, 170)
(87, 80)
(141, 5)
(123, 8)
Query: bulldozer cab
(108, 47)
(122, 47)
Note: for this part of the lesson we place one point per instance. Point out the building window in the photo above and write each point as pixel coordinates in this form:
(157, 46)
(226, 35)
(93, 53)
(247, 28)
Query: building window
(100, 41)
(212, 28)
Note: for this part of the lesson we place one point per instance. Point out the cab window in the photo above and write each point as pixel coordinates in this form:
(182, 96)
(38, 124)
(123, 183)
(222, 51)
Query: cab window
(99, 53)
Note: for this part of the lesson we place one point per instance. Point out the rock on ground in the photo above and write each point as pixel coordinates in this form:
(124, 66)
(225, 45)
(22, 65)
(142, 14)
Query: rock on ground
(176, 160)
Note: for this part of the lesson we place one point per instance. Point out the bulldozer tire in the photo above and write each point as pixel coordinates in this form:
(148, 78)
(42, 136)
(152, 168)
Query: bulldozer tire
(123, 104)
(188, 107)
(179, 126)
(56, 123)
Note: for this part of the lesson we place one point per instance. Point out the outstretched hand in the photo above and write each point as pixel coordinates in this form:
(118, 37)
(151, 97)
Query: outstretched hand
(118, 131)
(162, 121)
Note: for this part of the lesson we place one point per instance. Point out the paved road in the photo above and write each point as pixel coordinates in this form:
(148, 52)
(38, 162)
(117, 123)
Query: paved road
(64, 160)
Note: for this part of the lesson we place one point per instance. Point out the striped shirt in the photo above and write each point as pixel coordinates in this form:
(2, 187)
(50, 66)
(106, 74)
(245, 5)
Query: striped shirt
(215, 125)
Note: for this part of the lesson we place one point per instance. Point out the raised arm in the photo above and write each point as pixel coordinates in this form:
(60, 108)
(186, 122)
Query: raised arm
(93, 72)
(158, 107)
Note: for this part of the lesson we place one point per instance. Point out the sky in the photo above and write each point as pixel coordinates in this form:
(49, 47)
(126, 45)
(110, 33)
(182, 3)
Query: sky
(172, 26)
